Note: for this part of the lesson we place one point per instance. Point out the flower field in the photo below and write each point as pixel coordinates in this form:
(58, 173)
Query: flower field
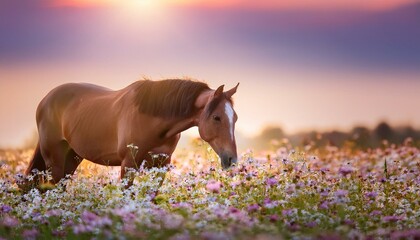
(287, 193)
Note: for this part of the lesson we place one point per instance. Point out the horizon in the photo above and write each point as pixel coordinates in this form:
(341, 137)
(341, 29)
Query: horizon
(301, 65)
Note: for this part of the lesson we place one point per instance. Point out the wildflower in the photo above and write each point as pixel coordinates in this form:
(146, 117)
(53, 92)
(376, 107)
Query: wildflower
(291, 188)
(173, 221)
(233, 210)
(392, 218)
(30, 233)
(345, 170)
(271, 181)
(341, 193)
(253, 207)
(348, 222)
(407, 234)
(5, 208)
(371, 194)
(324, 205)
(213, 186)
(234, 184)
(10, 222)
(273, 218)
(59, 233)
(88, 217)
(80, 229)
(54, 212)
(288, 212)
(293, 226)
(312, 224)
(375, 213)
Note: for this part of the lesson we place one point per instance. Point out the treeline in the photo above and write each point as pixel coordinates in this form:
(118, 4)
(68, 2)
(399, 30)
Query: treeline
(359, 137)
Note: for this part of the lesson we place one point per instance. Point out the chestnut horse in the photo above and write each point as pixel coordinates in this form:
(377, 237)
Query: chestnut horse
(83, 121)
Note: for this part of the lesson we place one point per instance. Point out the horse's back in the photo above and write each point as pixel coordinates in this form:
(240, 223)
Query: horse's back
(61, 97)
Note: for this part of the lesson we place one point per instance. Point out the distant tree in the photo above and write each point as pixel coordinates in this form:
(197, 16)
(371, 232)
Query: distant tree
(384, 132)
(361, 136)
(336, 138)
(267, 135)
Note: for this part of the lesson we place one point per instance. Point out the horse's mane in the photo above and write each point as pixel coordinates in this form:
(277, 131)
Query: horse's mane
(168, 98)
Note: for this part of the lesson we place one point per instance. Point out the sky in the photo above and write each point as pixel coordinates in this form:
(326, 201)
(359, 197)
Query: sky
(301, 64)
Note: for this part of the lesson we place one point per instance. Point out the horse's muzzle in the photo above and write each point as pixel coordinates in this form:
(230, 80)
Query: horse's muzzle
(228, 160)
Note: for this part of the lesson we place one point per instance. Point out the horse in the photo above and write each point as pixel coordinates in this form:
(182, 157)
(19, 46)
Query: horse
(79, 121)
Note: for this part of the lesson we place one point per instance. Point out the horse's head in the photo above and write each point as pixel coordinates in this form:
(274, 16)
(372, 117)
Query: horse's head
(217, 125)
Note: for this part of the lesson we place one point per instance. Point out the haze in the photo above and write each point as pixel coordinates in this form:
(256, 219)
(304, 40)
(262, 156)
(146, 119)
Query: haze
(301, 64)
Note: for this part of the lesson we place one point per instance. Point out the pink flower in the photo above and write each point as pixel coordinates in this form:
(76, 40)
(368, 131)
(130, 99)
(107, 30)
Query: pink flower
(10, 222)
(213, 186)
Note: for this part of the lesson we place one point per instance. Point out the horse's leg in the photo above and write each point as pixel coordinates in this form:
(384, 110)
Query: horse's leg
(130, 163)
(37, 162)
(55, 154)
(72, 162)
(168, 147)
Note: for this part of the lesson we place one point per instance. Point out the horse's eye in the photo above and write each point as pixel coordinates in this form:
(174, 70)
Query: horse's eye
(216, 118)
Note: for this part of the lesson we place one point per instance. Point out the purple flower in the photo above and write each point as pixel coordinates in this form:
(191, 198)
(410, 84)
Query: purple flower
(345, 170)
(79, 229)
(274, 218)
(233, 210)
(375, 213)
(53, 212)
(341, 193)
(349, 222)
(30, 233)
(392, 218)
(253, 207)
(407, 234)
(59, 233)
(267, 201)
(288, 212)
(5, 208)
(88, 217)
(271, 181)
(371, 194)
(324, 205)
(311, 224)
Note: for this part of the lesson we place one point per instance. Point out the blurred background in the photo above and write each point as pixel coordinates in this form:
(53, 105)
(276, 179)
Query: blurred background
(326, 70)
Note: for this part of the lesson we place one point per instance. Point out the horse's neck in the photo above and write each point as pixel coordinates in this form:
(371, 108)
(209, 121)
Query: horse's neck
(181, 125)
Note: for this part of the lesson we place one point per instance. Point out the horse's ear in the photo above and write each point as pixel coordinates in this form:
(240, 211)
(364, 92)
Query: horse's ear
(219, 91)
(232, 91)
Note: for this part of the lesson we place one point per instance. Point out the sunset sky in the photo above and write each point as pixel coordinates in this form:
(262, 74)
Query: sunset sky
(301, 64)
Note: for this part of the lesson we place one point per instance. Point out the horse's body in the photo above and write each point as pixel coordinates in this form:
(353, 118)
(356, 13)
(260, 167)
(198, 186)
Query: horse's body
(84, 121)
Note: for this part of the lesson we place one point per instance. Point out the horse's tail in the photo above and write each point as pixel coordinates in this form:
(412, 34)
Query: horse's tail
(37, 162)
